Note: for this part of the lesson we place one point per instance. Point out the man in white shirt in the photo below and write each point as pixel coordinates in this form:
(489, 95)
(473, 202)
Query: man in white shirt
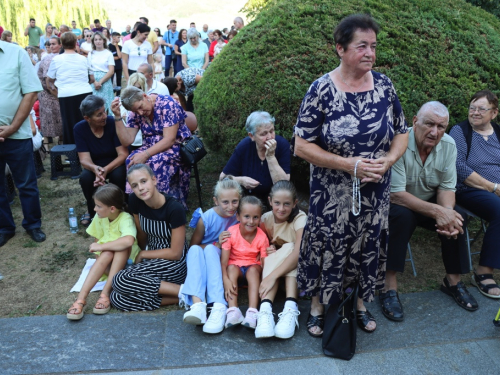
(238, 23)
(204, 32)
(108, 25)
(153, 86)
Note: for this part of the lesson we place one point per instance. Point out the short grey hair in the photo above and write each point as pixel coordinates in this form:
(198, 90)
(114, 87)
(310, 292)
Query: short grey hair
(130, 95)
(91, 104)
(150, 68)
(436, 107)
(210, 31)
(256, 120)
(192, 32)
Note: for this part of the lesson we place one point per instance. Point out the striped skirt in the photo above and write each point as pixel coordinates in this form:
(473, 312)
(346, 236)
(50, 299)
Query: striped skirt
(136, 288)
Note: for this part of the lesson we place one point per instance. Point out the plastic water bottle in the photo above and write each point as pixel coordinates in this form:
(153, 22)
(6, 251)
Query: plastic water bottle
(73, 223)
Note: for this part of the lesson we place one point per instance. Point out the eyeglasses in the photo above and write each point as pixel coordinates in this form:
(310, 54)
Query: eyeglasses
(481, 110)
(138, 51)
(88, 36)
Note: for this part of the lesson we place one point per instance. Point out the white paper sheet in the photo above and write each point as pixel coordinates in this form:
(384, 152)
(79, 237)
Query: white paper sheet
(79, 284)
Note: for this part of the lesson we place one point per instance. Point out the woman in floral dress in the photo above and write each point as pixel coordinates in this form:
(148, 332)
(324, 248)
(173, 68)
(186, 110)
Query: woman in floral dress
(163, 126)
(50, 112)
(351, 128)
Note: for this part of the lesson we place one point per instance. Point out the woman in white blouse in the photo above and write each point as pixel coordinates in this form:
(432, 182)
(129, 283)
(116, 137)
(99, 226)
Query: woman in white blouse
(86, 46)
(70, 74)
(137, 51)
(102, 65)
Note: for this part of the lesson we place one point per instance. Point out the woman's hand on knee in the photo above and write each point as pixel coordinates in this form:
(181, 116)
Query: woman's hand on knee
(266, 285)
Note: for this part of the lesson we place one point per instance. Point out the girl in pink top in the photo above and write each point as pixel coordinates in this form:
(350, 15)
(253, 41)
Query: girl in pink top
(243, 253)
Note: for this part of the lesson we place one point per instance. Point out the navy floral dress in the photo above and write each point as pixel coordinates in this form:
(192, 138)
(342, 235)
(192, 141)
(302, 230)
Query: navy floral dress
(172, 175)
(338, 247)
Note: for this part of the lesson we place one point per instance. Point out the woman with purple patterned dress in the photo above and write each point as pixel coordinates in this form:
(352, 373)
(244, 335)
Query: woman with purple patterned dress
(163, 126)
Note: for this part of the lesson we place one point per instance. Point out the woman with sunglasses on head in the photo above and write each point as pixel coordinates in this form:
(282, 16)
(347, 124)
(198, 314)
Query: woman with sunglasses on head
(137, 50)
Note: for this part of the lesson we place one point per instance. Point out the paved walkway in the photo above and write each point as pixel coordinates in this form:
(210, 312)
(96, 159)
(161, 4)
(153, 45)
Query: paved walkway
(437, 337)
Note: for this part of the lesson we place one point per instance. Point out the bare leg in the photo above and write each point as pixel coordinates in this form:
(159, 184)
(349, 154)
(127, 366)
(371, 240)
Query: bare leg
(316, 309)
(196, 299)
(391, 282)
(101, 264)
(234, 273)
(253, 278)
(169, 290)
(169, 301)
(118, 263)
(291, 287)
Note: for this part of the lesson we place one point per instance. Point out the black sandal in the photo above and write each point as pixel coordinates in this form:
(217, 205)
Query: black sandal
(315, 321)
(460, 294)
(85, 220)
(363, 318)
(484, 289)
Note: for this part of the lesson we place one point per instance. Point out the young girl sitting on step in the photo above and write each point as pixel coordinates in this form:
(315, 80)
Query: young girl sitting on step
(284, 226)
(115, 234)
(242, 254)
(204, 277)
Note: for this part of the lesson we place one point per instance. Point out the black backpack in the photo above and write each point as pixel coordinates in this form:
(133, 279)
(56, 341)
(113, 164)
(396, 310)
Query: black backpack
(467, 130)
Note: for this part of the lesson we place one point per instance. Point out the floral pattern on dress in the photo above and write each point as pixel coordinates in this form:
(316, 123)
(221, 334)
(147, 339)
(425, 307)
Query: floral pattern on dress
(172, 175)
(337, 247)
(50, 112)
(188, 77)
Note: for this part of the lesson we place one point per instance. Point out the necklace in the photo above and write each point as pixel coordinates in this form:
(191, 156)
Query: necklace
(348, 85)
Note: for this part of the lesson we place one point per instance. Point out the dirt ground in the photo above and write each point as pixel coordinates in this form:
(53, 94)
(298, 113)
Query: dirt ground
(39, 276)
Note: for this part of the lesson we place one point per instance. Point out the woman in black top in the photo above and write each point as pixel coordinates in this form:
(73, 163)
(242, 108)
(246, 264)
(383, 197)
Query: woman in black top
(160, 267)
(100, 152)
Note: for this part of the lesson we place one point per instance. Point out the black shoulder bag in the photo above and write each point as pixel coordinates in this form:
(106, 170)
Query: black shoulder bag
(339, 331)
(192, 150)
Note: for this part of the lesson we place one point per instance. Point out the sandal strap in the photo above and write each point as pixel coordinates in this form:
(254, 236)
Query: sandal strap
(315, 321)
(460, 290)
(482, 277)
(73, 307)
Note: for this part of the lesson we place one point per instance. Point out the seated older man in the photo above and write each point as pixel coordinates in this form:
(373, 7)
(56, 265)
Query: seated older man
(153, 86)
(423, 193)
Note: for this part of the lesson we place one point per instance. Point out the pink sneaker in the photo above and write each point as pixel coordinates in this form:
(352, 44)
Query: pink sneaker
(250, 320)
(233, 317)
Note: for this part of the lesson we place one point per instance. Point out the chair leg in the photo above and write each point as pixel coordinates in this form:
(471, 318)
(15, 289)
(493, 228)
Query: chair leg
(410, 259)
(198, 184)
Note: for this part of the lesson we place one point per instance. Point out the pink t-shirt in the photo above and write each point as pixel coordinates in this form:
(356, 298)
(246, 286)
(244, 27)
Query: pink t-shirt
(126, 37)
(243, 253)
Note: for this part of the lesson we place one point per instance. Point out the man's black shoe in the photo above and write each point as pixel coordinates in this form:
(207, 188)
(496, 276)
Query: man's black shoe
(391, 305)
(4, 237)
(36, 234)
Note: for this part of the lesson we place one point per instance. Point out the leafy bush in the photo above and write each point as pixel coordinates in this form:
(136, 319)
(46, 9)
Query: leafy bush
(431, 50)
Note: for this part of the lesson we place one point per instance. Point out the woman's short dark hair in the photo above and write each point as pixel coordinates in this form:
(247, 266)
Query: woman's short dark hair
(217, 31)
(180, 34)
(68, 41)
(344, 32)
(233, 33)
(91, 104)
(490, 97)
(142, 28)
(171, 84)
(57, 39)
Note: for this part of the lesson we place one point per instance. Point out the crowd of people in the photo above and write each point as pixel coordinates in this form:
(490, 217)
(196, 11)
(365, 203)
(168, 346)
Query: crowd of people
(373, 180)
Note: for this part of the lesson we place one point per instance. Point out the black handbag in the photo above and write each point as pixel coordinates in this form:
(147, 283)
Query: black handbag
(339, 331)
(192, 150)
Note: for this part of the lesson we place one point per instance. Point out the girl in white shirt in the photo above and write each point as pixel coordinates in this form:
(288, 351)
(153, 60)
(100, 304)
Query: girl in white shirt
(102, 64)
(137, 51)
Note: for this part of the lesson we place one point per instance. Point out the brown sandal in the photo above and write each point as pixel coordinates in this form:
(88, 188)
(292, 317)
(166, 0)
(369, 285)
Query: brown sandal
(77, 307)
(103, 307)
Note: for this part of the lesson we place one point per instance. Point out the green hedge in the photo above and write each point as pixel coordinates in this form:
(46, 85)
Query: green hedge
(431, 50)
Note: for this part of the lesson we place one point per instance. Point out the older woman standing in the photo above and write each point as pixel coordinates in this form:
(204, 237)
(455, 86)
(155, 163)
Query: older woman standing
(351, 128)
(163, 126)
(99, 150)
(261, 159)
(478, 177)
(217, 38)
(102, 64)
(72, 78)
(194, 53)
(50, 111)
(137, 50)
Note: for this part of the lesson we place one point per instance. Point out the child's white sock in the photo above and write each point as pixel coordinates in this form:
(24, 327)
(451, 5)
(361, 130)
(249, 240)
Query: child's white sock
(291, 304)
(266, 306)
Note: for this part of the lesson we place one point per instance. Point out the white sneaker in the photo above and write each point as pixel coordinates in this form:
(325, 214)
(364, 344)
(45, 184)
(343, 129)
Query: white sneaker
(233, 317)
(216, 320)
(250, 320)
(265, 324)
(182, 300)
(286, 325)
(197, 314)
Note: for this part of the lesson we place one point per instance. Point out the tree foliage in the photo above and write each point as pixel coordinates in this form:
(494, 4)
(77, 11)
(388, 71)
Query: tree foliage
(15, 14)
(492, 6)
(431, 50)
